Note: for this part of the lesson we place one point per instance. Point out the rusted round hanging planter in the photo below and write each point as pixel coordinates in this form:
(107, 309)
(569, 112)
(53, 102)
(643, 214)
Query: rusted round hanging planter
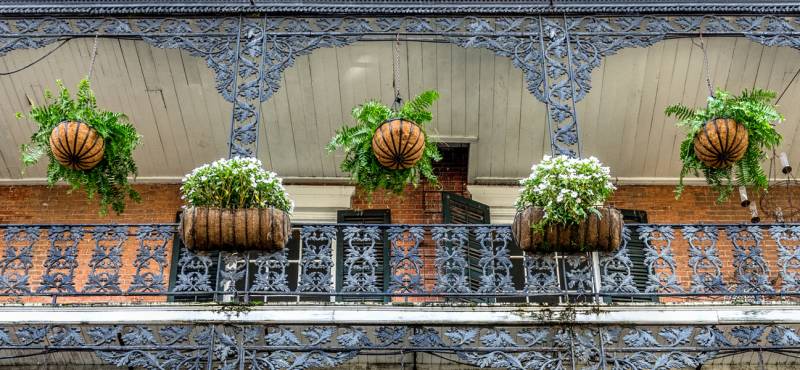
(208, 228)
(76, 145)
(398, 144)
(721, 143)
(594, 234)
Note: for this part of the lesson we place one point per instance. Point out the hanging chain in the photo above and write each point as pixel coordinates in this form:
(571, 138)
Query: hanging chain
(396, 75)
(705, 63)
(94, 56)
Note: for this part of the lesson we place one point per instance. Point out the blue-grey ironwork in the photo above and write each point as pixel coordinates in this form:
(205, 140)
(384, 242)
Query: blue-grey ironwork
(271, 275)
(541, 274)
(406, 262)
(395, 7)
(360, 259)
(660, 259)
(254, 346)
(317, 259)
(704, 259)
(151, 258)
(496, 268)
(17, 259)
(751, 270)
(559, 344)
(788, 256)
(452, 266)
(615, 268)
(62, 259)
(106, 259)
(495, 261)
(556, 54)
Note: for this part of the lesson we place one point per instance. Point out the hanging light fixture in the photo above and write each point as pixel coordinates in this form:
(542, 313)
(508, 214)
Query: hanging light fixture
(779, 202)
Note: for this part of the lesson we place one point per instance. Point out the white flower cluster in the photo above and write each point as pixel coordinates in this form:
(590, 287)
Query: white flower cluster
(240, 182)
(566, 188)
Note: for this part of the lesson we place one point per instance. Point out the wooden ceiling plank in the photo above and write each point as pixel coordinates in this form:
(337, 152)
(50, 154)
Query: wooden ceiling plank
(458, 91)
(172, 110)
(302, 121)
(647, 109)
(499, 109)
(670, 134)
(667, 81)
(327, 105)
(512, 122)
(485, 112)
(446, 102)
(154, 104)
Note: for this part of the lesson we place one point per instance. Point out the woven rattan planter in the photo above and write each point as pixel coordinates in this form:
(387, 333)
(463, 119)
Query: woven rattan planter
(721, 143)
(76, 145)
(398, 144)
(204, 228)
(595, 234)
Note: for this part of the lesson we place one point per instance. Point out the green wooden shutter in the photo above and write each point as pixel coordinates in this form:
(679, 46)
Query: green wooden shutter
(636, 249)
(366, 217)
(459, 210)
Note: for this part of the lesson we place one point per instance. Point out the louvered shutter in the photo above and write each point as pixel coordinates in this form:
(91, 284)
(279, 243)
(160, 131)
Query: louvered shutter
(366, 217)
(459, 210)
(636, 253)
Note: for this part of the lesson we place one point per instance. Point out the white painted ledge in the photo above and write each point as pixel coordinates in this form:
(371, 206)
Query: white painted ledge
(500, 200)
(380, 315)
(319, 203)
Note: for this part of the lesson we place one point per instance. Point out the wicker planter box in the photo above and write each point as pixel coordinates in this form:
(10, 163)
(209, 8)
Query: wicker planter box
(596, 234)
(204, 228)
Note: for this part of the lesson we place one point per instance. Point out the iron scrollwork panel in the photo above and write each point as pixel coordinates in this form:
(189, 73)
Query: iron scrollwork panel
(261, 346)
(406, 261)
(151, 259)
(106, 259)
(62, 260)
(17, 259)
(316, 265)
(704, 259)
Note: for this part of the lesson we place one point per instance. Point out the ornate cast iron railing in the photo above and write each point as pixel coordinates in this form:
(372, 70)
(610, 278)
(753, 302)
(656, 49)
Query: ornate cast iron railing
(212, 346)
(432, 264)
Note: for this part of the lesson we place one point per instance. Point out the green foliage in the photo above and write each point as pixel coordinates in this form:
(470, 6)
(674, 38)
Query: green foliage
(356, 141)
(109, 179)
(753, 110)
(235, 183)
(567, 189)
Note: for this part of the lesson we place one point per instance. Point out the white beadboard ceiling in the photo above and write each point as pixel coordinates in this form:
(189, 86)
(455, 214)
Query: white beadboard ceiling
(171, 99)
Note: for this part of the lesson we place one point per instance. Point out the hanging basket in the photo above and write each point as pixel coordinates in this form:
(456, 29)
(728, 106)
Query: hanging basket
(721, 143)
(76, 145)
(206, 228)
(398, 144)
(594, 234)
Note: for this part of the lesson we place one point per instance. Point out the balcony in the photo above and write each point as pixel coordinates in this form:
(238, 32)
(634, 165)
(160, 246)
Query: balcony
(400, 265)
(340, 291)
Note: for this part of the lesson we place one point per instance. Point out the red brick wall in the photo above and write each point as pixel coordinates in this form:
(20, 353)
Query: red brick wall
(41, 205)
(422, 205)
(38, 204)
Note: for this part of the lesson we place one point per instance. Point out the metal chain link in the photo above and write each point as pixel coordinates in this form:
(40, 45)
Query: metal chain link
(396, 77)
(94, 56)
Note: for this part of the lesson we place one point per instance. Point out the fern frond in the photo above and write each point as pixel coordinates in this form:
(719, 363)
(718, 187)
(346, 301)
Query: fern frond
(680, 111)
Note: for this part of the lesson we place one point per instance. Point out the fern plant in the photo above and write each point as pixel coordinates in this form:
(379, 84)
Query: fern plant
(109, 179)
(754, 110)
(356, 141)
